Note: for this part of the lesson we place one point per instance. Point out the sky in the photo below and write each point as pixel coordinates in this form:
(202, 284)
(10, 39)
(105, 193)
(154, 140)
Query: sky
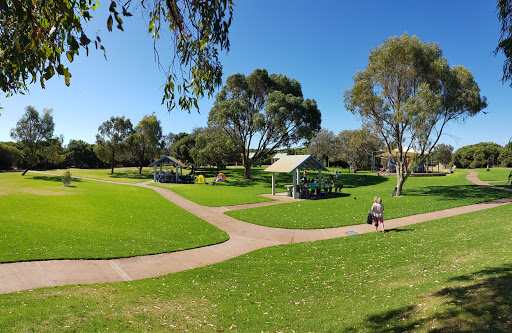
(321, 45)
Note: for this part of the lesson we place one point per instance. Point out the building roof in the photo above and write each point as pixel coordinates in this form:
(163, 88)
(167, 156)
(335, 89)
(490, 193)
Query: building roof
(289, 163)
(168, 160)
(279, 155)
(411, 152)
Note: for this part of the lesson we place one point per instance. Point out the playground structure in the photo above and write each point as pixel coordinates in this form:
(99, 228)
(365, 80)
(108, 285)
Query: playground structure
(388, 167)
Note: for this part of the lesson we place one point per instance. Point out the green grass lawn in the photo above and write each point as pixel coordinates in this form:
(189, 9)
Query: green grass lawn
(502, 184)
(220, 194)
(41, 219)
(449, 275)
(235, 191)
(421, 195)
(122, 175)
(493, 174)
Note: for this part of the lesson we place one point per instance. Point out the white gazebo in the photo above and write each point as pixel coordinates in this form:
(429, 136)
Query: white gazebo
(169, 160)
(293, 164)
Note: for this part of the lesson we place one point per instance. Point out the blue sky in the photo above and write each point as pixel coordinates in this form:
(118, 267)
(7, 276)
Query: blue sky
(320, 45)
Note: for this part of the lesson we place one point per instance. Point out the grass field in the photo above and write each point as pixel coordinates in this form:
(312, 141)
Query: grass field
(122, 175)
(421, 195)
(494, 174)
(41, 219)
(235, 191)
(449, 275)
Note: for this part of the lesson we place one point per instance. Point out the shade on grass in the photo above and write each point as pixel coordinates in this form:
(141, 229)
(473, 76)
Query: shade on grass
(493, 174)
(41, 219)
(122, 175)
(453, 274)
(420, 195)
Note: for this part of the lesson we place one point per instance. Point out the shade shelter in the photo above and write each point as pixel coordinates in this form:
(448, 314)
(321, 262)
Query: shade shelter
(171, 161)
(293, 164)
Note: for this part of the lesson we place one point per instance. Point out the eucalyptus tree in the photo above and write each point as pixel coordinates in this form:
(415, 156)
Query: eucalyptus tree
(146, 141)
(356, 147)
(408, 93)
(34, 133)
(81, 154)
(322, 146)
(213, 147)
(111, 140)
(264, 112)
(443, 154)
(182, 145)
(36, 36)
(504, 10)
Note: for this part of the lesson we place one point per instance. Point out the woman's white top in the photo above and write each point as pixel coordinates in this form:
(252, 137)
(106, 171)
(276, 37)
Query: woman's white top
(378, 210)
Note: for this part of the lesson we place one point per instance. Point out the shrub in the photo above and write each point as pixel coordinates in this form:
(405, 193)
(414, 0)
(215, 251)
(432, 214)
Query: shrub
(66, 178)
(9, 156)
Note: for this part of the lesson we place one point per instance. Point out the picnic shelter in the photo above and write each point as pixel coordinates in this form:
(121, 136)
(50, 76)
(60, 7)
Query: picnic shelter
(168, 161)
(294, 164)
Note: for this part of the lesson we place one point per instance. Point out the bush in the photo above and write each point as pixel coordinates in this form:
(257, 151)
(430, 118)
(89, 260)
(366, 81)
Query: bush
(66, 178)
(477, 156)
(9, 156)
(505, 157)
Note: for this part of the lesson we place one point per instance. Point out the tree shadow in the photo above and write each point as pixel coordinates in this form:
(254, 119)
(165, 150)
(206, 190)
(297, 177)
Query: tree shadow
(455, 192)
(57, 179)
(481, 303)
(131, 175)
(358, 180)
(398, 230)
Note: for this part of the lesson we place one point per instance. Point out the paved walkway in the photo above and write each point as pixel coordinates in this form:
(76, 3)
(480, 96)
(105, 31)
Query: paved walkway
(244, 238)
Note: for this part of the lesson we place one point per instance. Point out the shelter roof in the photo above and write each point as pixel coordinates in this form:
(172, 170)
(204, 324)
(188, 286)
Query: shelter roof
(289, 163)
(168, 160)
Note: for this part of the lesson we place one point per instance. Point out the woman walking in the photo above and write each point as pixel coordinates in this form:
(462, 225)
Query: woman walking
(378, 213)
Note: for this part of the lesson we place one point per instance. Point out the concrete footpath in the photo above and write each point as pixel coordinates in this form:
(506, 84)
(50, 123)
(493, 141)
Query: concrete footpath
(244, 238)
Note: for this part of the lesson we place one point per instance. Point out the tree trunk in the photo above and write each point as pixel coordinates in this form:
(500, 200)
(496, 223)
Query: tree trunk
(401, 177)
(112, 162)
(247, 171)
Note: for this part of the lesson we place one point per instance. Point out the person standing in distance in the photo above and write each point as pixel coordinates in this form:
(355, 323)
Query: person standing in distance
(378, 213)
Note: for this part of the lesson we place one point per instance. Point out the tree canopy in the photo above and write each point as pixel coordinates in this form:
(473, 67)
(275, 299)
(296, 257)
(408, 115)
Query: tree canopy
(35, 135)
(38, 37)
(80, 154)
(182, 145)
(111, 140)
(214, 147)
(443, 154)
(408, 93)
(357, 147)
(504, 10)
(477, 155)
(322, 146)
(264, 112)
(145, 142)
